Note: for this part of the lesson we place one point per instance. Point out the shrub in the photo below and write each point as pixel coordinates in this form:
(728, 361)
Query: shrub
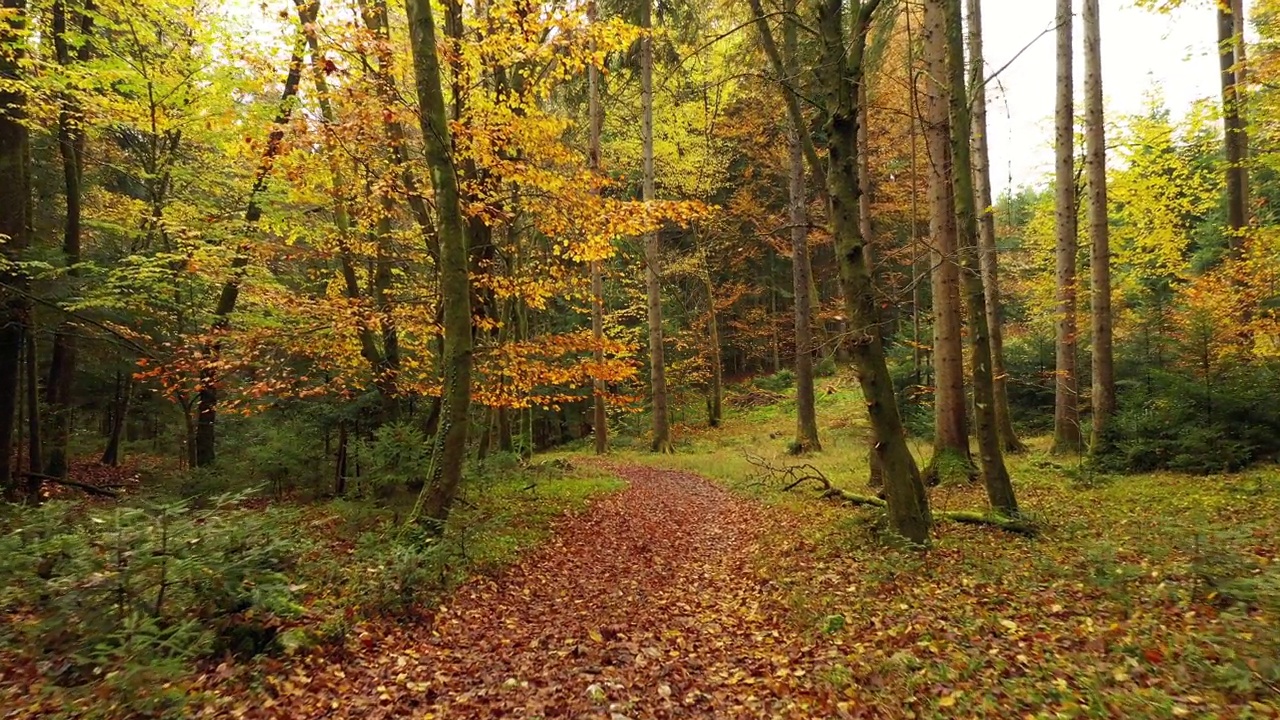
(397, 456)
(131, 595)
(777, 382)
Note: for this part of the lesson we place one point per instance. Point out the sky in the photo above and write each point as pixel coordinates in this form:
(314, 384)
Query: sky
(1142, 52)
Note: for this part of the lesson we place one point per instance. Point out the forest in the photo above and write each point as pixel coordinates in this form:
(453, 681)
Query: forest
(631, 359)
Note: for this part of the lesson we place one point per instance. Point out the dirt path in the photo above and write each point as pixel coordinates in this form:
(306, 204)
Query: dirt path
(646, 606)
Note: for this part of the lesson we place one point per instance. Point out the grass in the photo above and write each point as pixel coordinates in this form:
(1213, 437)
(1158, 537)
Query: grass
(1152, 596)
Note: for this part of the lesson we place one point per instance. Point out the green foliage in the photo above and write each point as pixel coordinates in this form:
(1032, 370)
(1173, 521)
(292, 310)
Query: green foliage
(397, 456)
(780, 381)
(131, 595)
(1176, 422)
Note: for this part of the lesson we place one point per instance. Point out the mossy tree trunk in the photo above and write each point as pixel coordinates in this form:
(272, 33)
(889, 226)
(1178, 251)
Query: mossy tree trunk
(841, 70)
(994, 473)
(455, 284)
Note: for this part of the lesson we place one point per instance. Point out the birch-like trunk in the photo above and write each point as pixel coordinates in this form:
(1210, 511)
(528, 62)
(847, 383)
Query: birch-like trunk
(652, 249)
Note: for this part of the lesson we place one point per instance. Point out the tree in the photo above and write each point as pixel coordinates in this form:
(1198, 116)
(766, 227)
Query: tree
(1104, 382)
(661, 441)
(841, 69)
(455, 286)
(987, 228)
(1236, 137)
(15, 226)
(802, 273)
(1066, 414)
(951, 428)
(994, 474)
(600, 419)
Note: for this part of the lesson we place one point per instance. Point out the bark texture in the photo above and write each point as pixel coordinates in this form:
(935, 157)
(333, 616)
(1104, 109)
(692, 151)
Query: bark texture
(987, 229)
(841, 70)
(455, 283)
(995, 475)
(661, 441)
(951, 428)
(600, 418)
(1095, 138)
(1230, 47)
(1066, 414)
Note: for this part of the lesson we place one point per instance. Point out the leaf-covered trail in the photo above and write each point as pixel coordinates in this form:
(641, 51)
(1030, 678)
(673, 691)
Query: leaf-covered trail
(646, 606)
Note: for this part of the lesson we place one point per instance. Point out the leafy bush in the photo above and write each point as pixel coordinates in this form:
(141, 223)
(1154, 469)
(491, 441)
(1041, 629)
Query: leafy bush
(131, 595)
(777, 382)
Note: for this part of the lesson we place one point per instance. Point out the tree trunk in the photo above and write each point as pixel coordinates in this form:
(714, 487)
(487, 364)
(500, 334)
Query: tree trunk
(802, 274)
(1066, 413)
(71, 148)
(600, 417)
(950, 428)
(994, 473)
(15, 198)
(207, 404)
(652, 250)
(987, 230)
(1095, 138)
(841, 71)
(35, 450)
(120, 416)
(715, 395)
(1235, 132)
(455, 284)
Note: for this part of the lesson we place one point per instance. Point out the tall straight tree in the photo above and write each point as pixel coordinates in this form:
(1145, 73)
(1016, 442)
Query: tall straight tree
(950, 427)
(600, 419)
(841, 69)
(1230, 60)
(1095, 138)
(994, 474)
(987, 228)
(802, 274)
(15, 225)
(1066, 413)
(652, 249)
(71, 46)
(455, 283)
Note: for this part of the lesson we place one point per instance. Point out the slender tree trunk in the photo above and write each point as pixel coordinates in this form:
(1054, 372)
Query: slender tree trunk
(652, 249)
(35, 449)
(120, 416)
(455, 284)
(994, 473)
(1235, 132)
(917, 277)
(600, 417)
(841, 70)
(951, 428)
(1095, 138)
(987, 229)
(1066, 413)
(15, 193)
(802, 275)
(71, 148)
(207, 404)
(715, 394)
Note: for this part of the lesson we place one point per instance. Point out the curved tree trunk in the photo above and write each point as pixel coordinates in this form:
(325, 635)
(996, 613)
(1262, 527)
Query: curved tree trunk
(1095, 138)
(987, 229)
(841, 71)
(994, 474)
(1066, 412)
(455, 284)
(951, 455)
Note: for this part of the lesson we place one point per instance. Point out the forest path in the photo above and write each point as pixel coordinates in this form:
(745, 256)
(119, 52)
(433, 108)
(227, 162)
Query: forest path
(648, 605)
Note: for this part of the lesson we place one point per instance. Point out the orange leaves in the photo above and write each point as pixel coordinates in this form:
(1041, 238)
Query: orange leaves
(551, 369)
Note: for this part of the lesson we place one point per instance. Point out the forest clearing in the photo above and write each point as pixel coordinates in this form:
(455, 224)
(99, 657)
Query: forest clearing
(622, 359)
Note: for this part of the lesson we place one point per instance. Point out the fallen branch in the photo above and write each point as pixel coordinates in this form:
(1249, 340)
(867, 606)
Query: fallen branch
(91, 489)
(792, 476)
